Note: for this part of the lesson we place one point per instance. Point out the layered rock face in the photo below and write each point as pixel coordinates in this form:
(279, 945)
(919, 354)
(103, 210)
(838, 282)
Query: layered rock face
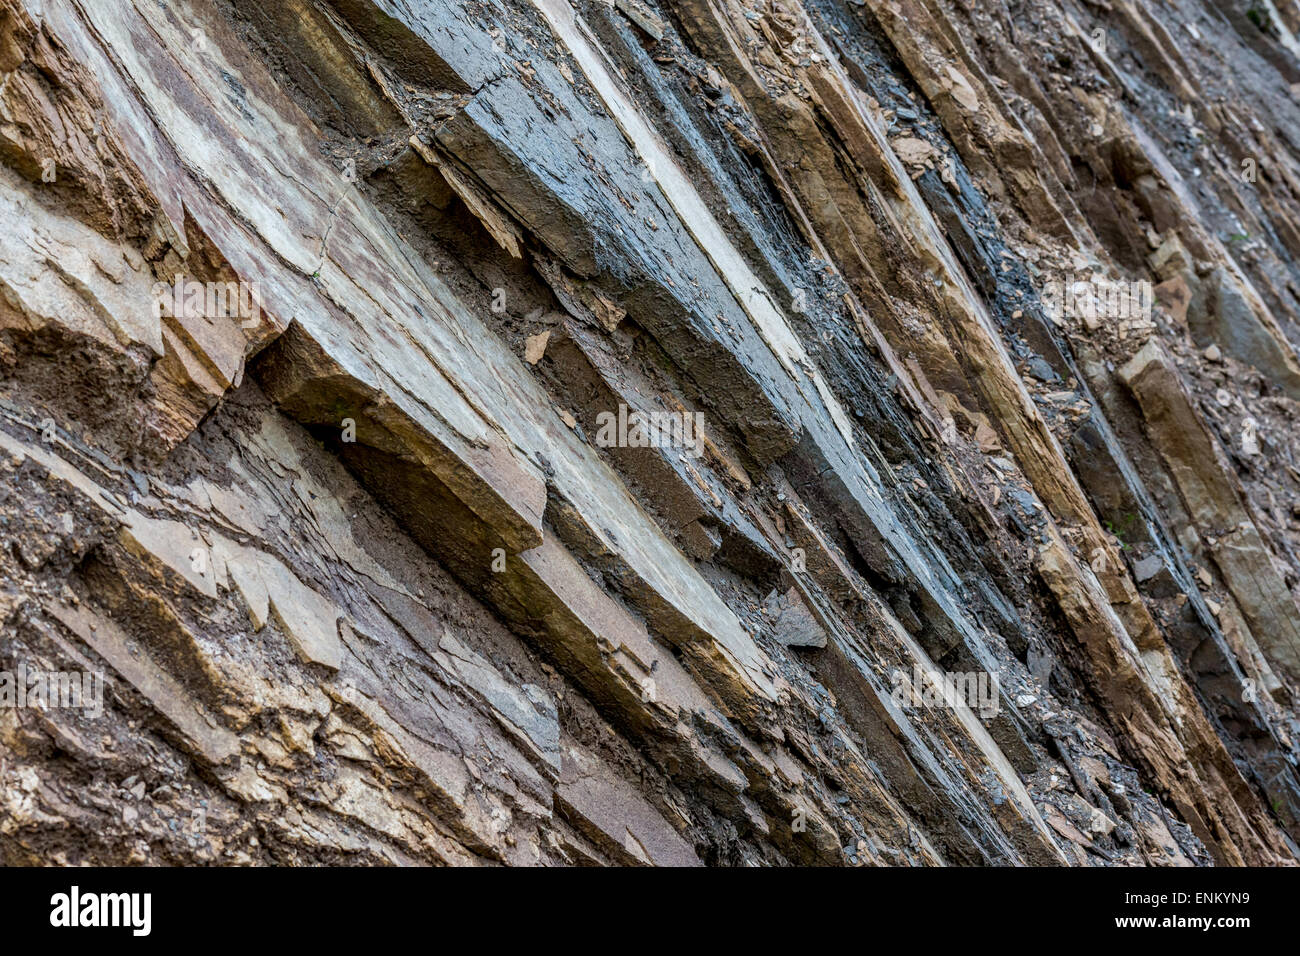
(685, 432)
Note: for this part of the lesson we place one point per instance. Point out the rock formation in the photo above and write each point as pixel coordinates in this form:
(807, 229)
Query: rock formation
(663, 432)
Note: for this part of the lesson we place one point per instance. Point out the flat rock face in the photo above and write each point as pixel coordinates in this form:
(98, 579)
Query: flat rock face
(557, 432)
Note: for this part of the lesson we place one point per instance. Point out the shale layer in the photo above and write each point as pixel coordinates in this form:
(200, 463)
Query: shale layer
(966, 335)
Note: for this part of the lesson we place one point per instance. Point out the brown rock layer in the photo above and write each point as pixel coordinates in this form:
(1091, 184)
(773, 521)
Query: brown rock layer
(694, 432)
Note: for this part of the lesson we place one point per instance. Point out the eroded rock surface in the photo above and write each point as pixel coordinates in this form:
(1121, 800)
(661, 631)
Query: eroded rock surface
(661, 433)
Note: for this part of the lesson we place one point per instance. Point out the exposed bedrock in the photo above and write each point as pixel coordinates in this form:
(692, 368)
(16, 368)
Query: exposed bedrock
(661, 433)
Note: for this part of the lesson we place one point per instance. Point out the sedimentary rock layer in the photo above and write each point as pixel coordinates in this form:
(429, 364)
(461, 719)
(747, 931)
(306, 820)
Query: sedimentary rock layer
(696, 432)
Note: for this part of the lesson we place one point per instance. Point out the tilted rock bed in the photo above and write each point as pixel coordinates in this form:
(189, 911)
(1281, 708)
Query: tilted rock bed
(687, 433)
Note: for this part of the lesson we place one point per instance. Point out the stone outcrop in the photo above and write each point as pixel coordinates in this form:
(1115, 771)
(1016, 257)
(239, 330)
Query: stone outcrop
(649, 433)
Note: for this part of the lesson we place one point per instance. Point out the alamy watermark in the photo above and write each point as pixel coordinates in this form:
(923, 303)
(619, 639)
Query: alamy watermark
(42, 689)
(978, 690)
(133, 911)
(208, 300)
(1094, 299)
(636, 429)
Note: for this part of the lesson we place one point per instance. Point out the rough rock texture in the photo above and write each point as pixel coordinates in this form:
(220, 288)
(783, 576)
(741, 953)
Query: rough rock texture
(368, 582)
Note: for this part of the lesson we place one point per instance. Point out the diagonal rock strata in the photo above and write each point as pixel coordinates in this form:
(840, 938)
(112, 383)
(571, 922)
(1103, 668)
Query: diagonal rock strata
(649, 433)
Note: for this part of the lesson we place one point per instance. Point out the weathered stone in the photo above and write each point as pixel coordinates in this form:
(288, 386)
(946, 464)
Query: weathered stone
(371, 576)
(794, 623)
(1229, 319)
(1213, 500)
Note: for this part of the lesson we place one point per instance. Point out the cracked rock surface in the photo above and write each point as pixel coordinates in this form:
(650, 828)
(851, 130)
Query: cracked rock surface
(650, 432)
